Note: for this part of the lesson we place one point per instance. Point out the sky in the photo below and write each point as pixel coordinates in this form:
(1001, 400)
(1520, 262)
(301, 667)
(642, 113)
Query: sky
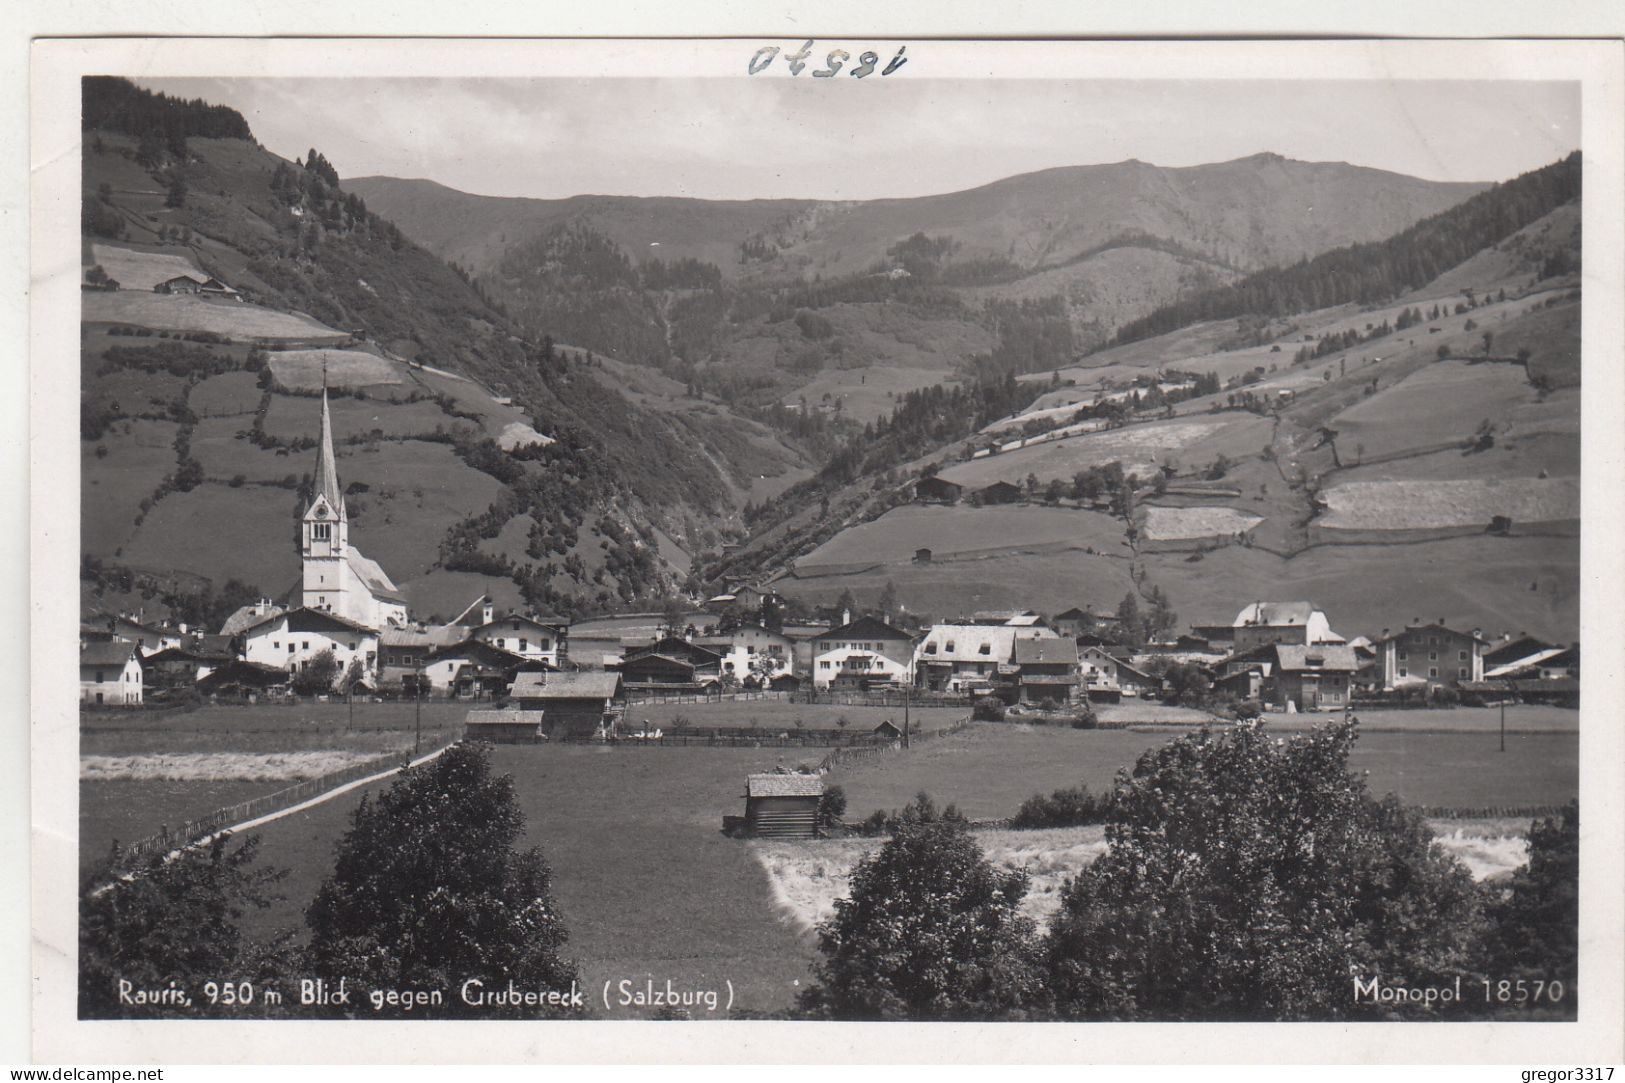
(787, 138)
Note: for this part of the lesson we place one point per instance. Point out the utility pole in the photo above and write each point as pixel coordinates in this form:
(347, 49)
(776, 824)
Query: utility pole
(908, 697)
(417, 736)
(1504, 693)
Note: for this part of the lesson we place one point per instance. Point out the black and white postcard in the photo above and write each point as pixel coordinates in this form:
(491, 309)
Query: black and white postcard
(762, 535)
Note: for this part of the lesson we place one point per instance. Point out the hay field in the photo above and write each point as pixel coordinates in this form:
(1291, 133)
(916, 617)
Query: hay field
(220, 766)
(1424, 505)
(1169, 524)
(291, 416)
(226, 395)
(224, 456)
(302, 370)
(237, 320)
(139, 454)
(1441, 403)
(137, 270)
(1137, 447)
(894, 537)
(222, 533)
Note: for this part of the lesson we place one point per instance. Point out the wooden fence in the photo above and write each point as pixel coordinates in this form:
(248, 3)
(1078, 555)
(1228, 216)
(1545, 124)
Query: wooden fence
(191, 831)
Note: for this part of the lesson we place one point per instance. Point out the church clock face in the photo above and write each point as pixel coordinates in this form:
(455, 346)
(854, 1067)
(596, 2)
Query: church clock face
(321, 512)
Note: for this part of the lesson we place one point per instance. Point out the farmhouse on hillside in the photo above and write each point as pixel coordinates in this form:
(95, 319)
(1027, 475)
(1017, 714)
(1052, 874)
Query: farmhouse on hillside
(783, 806)
(243, 680)
(539, 638)
(110, 674)
(751, 652)
(937, 490)
(1000, 492)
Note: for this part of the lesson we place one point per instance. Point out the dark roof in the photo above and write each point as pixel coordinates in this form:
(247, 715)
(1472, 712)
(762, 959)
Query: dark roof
(543, 621)
(241, 672)
(1433, 627)
(1000, 487)
(866, 628)
(106, 653)
(1046, 651)
(185, 654)
(308, 619)
(675, 647)
(1514, 651)
(475, 650)
(1075, 613)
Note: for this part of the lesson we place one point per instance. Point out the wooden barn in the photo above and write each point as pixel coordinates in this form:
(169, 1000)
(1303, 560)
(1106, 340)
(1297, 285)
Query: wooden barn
(783, 806)
(1000, 492)
(939, 490)
(503, 725)
(572, 704)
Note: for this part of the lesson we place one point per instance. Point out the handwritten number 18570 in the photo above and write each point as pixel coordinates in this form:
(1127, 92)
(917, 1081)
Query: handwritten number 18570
(834, 61)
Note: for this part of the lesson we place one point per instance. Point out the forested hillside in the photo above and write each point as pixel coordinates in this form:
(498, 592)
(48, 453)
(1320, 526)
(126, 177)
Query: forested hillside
(1372, 273)
(182, 182)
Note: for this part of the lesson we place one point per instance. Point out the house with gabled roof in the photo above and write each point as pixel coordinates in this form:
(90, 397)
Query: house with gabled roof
(290, 640)
(1430, 655)
(110, 674)
(1048, 669)
(965, 658)
(572, 704)
(1314, 676)
(540, 637)
(865, 653)
(1263, 623)
(471, 669)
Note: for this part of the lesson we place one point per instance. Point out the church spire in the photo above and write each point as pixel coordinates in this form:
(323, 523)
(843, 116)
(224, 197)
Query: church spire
(327, 474)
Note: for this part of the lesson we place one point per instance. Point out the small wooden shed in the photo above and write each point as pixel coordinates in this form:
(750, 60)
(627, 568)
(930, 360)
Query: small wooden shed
(783, 806)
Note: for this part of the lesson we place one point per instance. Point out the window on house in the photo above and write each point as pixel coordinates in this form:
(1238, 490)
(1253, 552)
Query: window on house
(986, 648)
(1461, 656)
(1433, 656)
(930, 648)
(99, 677)
(290, 648)
(1433, 671)
(1402, 672)
(544, 644)
(524, 645)
(824, 664)
(1461, 673)
(1401, 656)
(950, 647)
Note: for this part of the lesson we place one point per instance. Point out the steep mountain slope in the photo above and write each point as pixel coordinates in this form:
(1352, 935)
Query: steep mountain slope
(1253, 212)
(1418, 456)
(1019, 275)
(456, 422)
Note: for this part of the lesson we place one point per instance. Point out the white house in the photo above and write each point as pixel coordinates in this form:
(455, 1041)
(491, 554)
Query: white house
(1264, 623)
(536, 638)
(965, 658)
(749, 647)
(865, 652)
(290, 640)
(110, 673)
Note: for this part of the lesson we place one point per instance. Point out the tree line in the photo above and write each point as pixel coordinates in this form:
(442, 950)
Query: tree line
(1246, 878)
(112, 104)
(1378, 271)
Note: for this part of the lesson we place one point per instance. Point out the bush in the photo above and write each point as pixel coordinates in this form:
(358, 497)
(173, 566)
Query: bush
(1247, 878)
(172, 920)
(1534, 923)
(930, 931)
(1064, 808)
(831, 806)
(428, 891)
(988, 709)
(1246, 710)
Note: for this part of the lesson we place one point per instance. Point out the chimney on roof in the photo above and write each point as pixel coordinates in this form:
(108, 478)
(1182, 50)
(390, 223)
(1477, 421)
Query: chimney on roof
(846, 617)
(1385, 633)
(487, 611)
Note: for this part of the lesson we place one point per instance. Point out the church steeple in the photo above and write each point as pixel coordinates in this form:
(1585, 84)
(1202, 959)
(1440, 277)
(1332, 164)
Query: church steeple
(327, 474)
